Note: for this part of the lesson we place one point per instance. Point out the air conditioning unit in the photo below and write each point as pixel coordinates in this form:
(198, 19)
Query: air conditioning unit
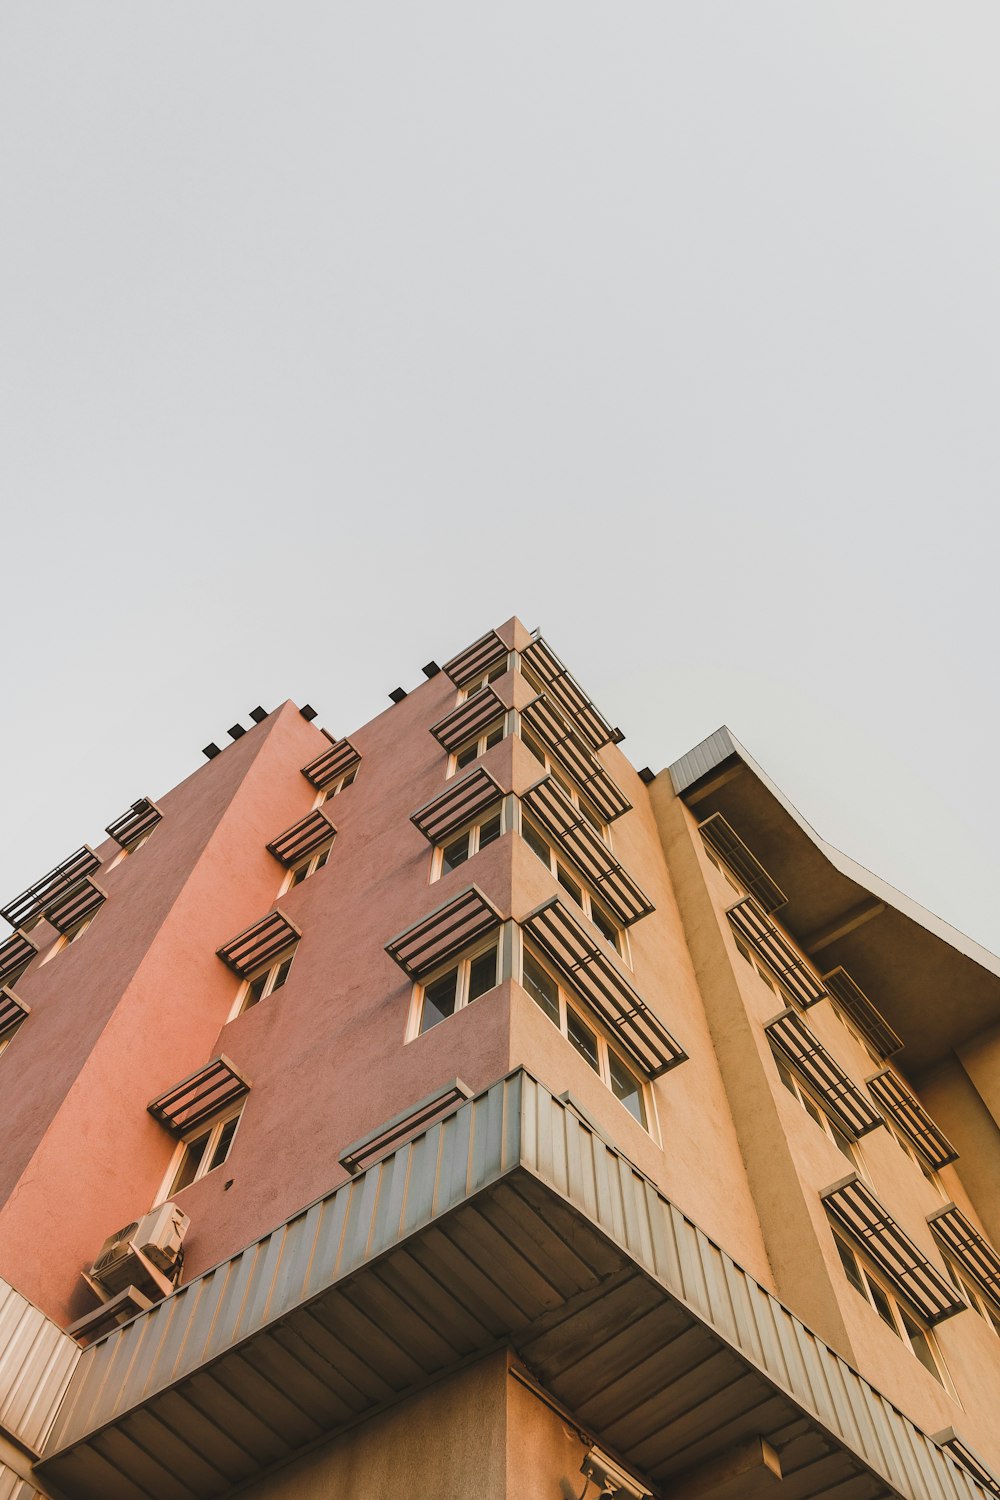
(146, 1252)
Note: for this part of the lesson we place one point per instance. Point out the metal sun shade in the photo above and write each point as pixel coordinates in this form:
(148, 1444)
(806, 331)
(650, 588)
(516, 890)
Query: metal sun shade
(972, 1250)
(200, 1096)
(950, 1441)
(444, 934)
(77, 904)
(590, 972)
(891, 1093)
(551, 808)
(852, 999)
(303, 838)
(557, 681)
(469, 719)
(404, 1125)
(748, 870)
(12, 1010)
(17, 951)
(751, 921)
(857, 1210)
(33, 902)
(334, 762)
(259, 945)
(581, 763)
(134, 823)
(463, 802)
(475, 659)
(810, 1059)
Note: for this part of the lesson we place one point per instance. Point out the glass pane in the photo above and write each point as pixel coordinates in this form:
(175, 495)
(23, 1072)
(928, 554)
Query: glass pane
(256, 991)
(223, 1144)
(604, 924)
(841, 1142)
(495, 735)
(811, 1109)
(189, 1163)
(455, 854)
(489, 831)
(851, 1269)
(475, 688)
(533, 745)
(439, 1000)
(582, 1037)
(882, 1304)
(994, 1317)
(281, 975)
(468, 754)
(482, 974)
(321, 859)
(626, 1087)
(592, 818)
(535, 842)
(299, 874)
(569, 884)
(541, 987)
(919, 1343)
(566, 785)
(785, 1075)
(348, 778)
(496, 671)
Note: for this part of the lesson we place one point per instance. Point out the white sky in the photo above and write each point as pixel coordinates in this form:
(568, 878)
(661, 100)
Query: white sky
(332, 334)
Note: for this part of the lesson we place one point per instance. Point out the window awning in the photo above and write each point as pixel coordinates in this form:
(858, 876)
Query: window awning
(303, 838)
(862, 1012)
(475, 659)
(891, 1093)
(404, 1125)
(32, 903)
(589, 970)
(857, 1210)
(334, 762)
(259, 945)
(464, 801)
(200, 1096)
(748, 870)
(972, 1250)
(551, 808)
(78, 904)
(134, 823)
(824, 1075)
(581, 763)
(950, 1441)
(468, 719)
(749, 919)
(12, 1010)
(17, 951)
(444, 934)
(554, 679)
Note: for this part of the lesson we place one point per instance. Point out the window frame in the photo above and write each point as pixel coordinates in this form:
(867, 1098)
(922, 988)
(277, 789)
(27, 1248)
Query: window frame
(339, 784)
(462, 966)
(570, 1001)
(479, 741)
(309, 865)
(899, 1309)
(472, 832)
(558, 861)
(213, 1128)
(270, 973)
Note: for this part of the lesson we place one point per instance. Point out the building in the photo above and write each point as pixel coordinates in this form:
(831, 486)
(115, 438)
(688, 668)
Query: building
(540, 1127)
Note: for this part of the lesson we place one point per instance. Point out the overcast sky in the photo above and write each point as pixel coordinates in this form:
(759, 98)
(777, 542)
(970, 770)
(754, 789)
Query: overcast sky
(333, 334)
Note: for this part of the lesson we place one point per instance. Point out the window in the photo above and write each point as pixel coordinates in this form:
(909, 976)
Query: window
(263, 984)
(602, 920)
(201, 1152)
(305, 868)
(829, 1127)
(66, 938)
(597, 1053)
(904, 1324)
(478, 683)
(441, 995)
(558, 774)
(976, 1299)
(463, 846)
(472, 749)
(341, 784)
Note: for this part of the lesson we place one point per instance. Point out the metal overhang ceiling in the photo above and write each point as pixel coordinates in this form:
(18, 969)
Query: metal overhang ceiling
(936, 987)
(513, 1222)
